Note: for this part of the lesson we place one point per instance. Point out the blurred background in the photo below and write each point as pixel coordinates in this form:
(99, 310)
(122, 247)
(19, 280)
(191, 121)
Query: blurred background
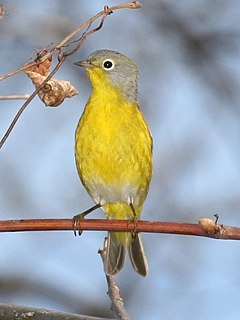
(189, 80)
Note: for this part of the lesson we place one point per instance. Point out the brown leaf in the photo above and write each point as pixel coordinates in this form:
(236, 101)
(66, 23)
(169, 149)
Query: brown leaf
(54, 91)
(41, 67)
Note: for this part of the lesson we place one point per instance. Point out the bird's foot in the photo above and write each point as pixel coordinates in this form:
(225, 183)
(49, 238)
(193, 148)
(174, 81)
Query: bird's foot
(76, 221)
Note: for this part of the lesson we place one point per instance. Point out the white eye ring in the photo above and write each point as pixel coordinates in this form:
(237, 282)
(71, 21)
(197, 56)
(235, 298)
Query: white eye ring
(108, 64)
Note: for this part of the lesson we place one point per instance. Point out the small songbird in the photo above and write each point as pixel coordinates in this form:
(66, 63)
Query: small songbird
(113, 150)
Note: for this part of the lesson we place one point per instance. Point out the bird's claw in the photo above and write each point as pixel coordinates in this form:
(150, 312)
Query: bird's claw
(76, 224)
(77, 219)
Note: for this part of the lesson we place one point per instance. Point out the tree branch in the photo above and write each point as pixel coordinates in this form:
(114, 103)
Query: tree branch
(10, 312)
(113, 291)
(205, 227)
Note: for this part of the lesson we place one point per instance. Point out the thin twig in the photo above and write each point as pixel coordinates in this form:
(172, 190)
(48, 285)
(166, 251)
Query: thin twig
(26, 103)
(105, 12)
(62, 56)
(221, 231)
(59, 46)
(12, 73)
(15, 97)
(113, 292)
(84, 37)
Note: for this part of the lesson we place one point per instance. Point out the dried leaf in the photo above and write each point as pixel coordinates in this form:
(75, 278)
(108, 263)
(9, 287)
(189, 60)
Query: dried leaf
(54, 91)
(41, 67)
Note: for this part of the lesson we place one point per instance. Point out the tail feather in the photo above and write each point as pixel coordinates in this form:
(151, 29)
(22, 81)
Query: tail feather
(115, 255)
(137, 255)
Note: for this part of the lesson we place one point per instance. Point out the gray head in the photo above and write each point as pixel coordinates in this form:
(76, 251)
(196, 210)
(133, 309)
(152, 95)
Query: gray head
(121, 71)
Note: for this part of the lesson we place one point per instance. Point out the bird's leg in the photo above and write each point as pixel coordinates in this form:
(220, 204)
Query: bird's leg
(76, 219)
(135, 220)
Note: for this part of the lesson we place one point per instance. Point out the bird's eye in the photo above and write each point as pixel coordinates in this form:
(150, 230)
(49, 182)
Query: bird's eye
(108, 64)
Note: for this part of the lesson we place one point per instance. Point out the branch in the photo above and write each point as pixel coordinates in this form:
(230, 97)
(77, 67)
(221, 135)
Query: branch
(107, 10)
(63, 55)
(113, 291)
(26, 103)
(205, 227)
(15, 97)
(10, 312)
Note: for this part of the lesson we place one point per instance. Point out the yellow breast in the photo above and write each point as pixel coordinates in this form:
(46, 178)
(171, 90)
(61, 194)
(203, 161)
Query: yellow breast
(113, 148)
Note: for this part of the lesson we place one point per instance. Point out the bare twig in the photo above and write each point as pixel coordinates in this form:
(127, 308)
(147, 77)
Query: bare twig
(10, 312)
(15, 97)
(62, 56)
(117, 305)
(12, 73)
(105, 12)
(59, 46)
(20, 111)
(220, 231)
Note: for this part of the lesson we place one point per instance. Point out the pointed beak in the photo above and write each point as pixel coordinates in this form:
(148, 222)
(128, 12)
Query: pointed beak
(85, 64)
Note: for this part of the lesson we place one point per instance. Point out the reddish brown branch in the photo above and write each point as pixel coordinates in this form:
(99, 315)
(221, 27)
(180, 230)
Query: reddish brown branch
(220, 232)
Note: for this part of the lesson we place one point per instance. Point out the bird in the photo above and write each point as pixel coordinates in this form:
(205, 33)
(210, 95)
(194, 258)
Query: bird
(113, 152)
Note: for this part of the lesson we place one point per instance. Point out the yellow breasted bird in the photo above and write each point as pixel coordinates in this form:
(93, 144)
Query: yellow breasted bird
(113, 152)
